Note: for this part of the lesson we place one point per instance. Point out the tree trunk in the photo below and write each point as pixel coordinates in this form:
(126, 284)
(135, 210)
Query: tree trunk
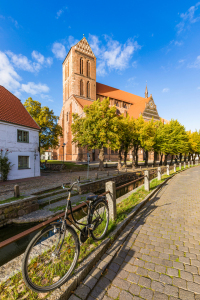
(161, 157)
(172, 156)
(146, 158)
(125, 157)
(165, 161)
(181, 157)
(154, 158)
(119, 159)
(134, 157)
(101, 159)
(185, 158)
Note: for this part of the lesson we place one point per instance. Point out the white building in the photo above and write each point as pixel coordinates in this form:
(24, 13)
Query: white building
(19, 137)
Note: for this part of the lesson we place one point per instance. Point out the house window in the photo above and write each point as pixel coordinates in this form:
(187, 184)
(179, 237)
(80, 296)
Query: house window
(88, 89)
(105, 150)
(125, 106)
(117, 103)
(23, 162)
(81, 66)
(88, 68)
(81, 87)
(22, 136)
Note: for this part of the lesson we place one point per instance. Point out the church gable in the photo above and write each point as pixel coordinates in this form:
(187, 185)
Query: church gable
(150, 110)
(84, 47)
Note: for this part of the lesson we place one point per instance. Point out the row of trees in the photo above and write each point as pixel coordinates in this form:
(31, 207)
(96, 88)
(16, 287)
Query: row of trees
(102, 127)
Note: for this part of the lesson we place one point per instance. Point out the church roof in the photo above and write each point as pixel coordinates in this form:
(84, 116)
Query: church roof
(137, 108)
(13, 111)
(108, 91)
(83, 102)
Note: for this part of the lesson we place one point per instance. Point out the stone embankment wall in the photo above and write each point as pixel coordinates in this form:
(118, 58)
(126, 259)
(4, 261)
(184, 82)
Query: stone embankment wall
(100, 184)
(18, 208)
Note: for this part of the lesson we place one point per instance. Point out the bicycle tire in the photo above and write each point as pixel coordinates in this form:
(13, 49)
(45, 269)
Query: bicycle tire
(41, 263)
(94, 232)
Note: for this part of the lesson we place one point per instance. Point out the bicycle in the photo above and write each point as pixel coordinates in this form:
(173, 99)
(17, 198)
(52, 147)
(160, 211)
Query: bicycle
(52, 254)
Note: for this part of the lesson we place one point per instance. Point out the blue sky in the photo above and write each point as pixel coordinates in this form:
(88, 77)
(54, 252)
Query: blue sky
(134, 42)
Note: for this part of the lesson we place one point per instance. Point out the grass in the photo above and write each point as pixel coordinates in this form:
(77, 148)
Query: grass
(11, 199)
(14, 288)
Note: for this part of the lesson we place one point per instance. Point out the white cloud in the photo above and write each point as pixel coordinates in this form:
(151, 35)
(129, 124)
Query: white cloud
(165, 90)
(196, 64)
(41, 59)
(60, 12)
(113, 55)
(198, 88)
(8, 76)
(131, 81)
(59, 50)
(33, 89)
(14, 22)
(72, 41)
(188, 17)
(181, 61)
(22, 62)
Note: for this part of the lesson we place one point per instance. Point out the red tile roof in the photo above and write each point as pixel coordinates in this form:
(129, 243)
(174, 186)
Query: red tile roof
(83, 102)
(135, 109)
(107, 91)
(13, 111)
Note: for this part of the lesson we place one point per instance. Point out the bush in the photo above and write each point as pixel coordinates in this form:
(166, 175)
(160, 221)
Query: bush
(5, 165)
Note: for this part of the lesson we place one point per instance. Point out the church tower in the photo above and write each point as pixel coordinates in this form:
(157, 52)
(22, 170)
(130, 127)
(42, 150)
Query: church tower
(146, 92)
(79, 72)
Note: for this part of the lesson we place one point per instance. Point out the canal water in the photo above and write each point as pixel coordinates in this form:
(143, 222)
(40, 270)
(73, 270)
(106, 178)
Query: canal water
(15, 249)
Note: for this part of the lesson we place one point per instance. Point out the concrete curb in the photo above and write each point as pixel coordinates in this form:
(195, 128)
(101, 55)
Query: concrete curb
(65, 291)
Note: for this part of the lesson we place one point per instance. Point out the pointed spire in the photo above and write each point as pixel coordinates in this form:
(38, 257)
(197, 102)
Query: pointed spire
(146, 91)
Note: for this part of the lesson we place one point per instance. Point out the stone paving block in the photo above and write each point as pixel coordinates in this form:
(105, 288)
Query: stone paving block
(139, 263)
(160, 269)
(186, 275)
(82, 291)
(98, 293)
(171, 290)
(157, 286)
(130, 268)
(122, 284)
(74, 297)
(147, 294)
(165, 279)
(160, 296)
(141, 271)
(103, 283)
(114, 267)
(134, 289)
(96, 273)
(113, 292)
(153, 275)
(195, 262)
(125, 295)
(172, 272)
(90, 281)
(123, 274)
(181, 283)
(196, 279)
(133, 278)
(149, 266)
(104, 298)
(185, 295)
(178, 265)
(193, 287)
(191, 269)
(107, 257)
(144, 281)
(110, 274)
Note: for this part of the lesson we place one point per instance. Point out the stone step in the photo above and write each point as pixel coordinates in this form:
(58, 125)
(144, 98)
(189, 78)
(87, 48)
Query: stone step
(44, 195)
(54, 198)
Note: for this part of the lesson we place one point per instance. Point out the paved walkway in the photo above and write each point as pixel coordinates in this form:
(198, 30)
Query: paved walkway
(160, 259)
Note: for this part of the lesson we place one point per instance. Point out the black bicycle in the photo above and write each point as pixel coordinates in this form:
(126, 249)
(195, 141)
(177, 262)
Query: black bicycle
(52, 254)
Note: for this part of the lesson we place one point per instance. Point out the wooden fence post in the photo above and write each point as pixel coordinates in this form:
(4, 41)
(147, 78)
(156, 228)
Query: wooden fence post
(146, 181)
(174, 167)
(159, 173)
(111, 198)
(167, 169)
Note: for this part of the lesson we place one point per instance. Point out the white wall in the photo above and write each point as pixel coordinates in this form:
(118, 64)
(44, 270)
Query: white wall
(8, 141)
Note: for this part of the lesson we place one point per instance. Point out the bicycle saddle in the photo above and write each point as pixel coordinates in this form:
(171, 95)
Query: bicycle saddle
(92, 198)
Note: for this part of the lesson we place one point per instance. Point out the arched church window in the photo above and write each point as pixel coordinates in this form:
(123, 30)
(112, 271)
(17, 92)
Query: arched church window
(88, 89)
(88, 68)
(81, 87)
(81, 65)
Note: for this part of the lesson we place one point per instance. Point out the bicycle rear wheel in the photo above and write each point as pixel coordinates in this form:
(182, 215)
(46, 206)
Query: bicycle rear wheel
(99, 220)
(50, 258)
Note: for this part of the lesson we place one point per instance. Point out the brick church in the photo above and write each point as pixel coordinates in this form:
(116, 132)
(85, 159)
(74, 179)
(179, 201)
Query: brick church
(80, 89)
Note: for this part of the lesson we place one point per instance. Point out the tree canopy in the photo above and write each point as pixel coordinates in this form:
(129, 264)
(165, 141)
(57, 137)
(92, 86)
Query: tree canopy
(45, 118)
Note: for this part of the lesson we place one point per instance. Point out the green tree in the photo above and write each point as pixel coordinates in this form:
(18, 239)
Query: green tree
(45, 118)
(136, 142)
(97, 129)
(147, 137)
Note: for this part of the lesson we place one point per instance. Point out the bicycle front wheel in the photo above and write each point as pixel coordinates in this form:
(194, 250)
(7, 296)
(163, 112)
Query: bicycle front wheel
(99, 220)
(50, 258)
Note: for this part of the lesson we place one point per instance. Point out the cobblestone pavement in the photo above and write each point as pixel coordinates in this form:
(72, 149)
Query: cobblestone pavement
(160, 259)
